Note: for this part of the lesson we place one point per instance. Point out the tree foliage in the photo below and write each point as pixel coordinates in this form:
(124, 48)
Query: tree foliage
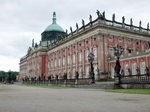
(8, 76)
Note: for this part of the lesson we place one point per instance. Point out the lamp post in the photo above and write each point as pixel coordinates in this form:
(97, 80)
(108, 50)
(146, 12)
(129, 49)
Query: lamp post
(91, 59)
(117, 52)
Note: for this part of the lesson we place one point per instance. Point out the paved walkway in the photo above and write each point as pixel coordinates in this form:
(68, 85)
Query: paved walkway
(15, 98)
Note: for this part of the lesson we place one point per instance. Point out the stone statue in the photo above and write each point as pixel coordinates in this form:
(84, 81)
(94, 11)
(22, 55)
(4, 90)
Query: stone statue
(98, 13)
(77, 26)
(104, 15)
(148, 26)
(66, 31)
(131, 22)
(113, 17)
(90, 18)
(71, 29)
(123, 19)
(82, 22)
(140, 23)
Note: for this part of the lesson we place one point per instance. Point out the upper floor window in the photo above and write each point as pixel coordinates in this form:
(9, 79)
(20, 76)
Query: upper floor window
(110, 38)
(111, 51)
(120, 40)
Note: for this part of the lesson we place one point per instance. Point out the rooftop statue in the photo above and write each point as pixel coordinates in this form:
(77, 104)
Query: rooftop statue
(71, 29)
(77, 26)
(104, 15)
(148, 26)
(83, 23)
(90, 18)
(98, 13)
(131, 22)
(140, 23)
(66, 31)
(123, 19)
(113, 17)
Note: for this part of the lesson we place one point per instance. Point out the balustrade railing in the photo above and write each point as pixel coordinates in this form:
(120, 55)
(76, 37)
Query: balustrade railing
(82, 81)
(134, 79)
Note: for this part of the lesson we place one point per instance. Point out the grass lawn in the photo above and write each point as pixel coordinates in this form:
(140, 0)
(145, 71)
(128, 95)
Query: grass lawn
(130, 91)
(49, 86)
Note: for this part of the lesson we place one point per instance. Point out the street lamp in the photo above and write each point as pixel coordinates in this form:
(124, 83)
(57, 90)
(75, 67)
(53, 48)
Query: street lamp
(91, 59)
(117, 52)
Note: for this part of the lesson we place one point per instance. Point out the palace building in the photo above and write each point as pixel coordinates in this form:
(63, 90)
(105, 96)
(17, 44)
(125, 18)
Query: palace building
(61, 52)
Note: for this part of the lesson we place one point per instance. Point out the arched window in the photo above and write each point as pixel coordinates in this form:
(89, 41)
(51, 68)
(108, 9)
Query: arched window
(142, 67)
(126, 69)
(134, 67)
(112, 71)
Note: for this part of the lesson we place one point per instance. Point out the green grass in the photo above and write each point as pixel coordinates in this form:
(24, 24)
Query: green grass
(130, 91)
(49, 86)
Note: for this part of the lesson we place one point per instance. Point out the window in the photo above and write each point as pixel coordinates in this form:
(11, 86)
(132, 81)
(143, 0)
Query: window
(59, 61)
(68, 59)
(142, 67)
(112, 71)
(52, 63)
(86, 54)
(134, 72)
(80, 56)
(95, 53)
(87, 72)
(120, 40)
(80, 72)
(74, 58)
(95, 39)
(126, 69)
(111, 51)
(87, 42)
(110, 39)
(55, 62)
(64, 60)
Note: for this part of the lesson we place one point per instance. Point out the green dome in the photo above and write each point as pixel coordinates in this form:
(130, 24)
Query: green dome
(54, 26)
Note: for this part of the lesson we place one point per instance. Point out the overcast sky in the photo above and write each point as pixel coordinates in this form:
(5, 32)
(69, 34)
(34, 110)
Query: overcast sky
(24, 20)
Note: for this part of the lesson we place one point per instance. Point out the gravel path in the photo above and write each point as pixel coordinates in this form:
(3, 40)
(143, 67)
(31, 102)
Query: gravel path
(15, 98)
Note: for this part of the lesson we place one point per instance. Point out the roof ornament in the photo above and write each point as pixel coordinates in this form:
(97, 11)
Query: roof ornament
(123, 19)
(71, 29)
(104, 15)
(83, 23)
(32, 42)
(140, 24)
(99, 14)
(77, 26)
(147, 26)
(113, 17)
(90, 18)
(54, 17)
(66, 32)
(131, 22)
